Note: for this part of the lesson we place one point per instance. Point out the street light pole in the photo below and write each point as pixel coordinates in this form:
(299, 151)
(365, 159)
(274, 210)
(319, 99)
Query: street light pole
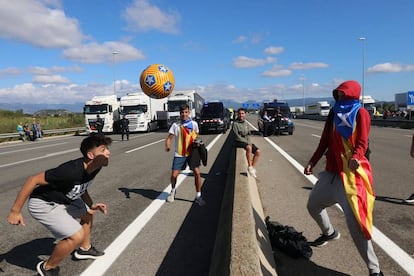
(302, 78)
(113, 64)
(362, 39)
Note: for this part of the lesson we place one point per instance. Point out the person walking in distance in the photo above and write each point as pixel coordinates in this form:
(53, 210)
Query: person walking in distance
(124, 127)
(242, 140)
(99, 124)
(410, 199)
(278, 118)
(185, 132)
(347, 178)
(58, 197)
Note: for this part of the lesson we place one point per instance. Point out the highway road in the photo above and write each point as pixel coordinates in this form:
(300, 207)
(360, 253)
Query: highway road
(143, 235)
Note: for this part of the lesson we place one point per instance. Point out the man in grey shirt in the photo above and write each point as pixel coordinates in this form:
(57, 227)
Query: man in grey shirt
(241, 140)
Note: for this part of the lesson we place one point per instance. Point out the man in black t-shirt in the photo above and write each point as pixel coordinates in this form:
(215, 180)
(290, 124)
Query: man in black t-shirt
(59, 196)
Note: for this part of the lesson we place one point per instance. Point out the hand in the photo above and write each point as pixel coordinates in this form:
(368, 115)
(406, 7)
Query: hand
(15, 218)
(308, 169)
(167, 148)
(98, 206)
(353, 164)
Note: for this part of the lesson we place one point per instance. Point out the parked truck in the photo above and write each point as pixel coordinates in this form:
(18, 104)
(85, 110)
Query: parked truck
(189, 97)
(144, 114)
(369, 104)
(320, 108)
(107, 107)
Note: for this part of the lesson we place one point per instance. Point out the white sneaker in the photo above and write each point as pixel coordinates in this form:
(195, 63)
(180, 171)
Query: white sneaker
(410, 199)
(200, 201)
(252, 171)
(171, 197)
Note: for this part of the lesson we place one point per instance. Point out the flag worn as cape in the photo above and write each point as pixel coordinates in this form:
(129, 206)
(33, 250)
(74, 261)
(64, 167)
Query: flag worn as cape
(358, 183)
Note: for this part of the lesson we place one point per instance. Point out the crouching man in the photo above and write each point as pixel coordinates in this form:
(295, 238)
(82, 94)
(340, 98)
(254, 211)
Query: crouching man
(59, 197)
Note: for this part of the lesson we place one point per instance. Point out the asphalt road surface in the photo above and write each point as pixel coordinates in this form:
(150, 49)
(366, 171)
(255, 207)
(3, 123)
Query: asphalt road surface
(143, 235)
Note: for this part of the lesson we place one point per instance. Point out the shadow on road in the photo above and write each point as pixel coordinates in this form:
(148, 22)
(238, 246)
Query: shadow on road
(192, 249)
(26, 255)
(393, 200)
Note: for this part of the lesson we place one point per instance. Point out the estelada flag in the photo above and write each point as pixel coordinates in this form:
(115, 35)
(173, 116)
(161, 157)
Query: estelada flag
(358, 183)
(185, 140)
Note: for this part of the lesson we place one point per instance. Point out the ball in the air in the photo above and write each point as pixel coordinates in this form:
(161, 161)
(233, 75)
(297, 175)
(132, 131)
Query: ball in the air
(157, 81)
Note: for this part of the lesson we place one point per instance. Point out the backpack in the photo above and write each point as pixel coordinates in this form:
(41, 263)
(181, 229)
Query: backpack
(288, 240)
(330, 122)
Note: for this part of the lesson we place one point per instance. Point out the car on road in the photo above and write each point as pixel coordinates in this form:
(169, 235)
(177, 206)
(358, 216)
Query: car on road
(285, 120)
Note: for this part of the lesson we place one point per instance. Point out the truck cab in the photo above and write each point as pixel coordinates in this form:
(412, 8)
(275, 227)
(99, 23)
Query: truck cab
(144, 114)
(107, 107)
(189, 97)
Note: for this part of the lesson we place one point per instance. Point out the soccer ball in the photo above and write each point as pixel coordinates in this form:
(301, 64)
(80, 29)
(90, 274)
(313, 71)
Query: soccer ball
(157, 81)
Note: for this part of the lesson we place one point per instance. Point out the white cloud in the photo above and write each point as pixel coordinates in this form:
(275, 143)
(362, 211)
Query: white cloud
(306, 66)
(38, 23)
(142, 16)
(272, 50)
(99, 53)
(276, 71)
(57, 93)
(246, 62)
(10, 71)
(390, 68)
(50, 79)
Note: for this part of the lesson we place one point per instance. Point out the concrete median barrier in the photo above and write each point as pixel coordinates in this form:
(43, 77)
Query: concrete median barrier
(242, 243)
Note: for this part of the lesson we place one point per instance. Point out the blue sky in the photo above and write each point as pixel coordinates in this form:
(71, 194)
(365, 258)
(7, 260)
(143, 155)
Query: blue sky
(58, 51)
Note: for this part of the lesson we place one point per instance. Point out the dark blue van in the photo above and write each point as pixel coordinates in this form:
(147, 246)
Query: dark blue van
(215, 117)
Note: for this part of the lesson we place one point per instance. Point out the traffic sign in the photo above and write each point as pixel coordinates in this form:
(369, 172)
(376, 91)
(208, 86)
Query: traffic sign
(410, 98)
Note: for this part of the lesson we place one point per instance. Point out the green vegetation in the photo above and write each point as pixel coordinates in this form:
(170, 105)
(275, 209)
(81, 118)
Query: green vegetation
(50, 119)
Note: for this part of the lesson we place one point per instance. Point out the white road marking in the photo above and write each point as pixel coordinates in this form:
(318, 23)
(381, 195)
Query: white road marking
(37, 158)
(115, 249)
(393, 250)
(27, 149)
(150, 144)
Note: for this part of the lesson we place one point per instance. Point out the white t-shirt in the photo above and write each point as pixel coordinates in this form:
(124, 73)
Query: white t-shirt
(183, 143)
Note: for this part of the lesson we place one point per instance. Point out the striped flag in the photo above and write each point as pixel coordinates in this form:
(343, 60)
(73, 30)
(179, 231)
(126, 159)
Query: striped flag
(185, 140)
(357, 184)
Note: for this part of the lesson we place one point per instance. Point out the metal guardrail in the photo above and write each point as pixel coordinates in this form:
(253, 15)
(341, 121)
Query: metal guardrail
(46, 131)
(399, 123)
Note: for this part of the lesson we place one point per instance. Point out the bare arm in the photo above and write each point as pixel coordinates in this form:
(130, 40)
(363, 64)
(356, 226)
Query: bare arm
(15, 216)
(93, 206)
(168, 142)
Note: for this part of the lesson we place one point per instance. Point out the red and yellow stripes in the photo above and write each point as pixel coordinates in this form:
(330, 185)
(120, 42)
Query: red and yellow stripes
(358, 188)
(185, 141)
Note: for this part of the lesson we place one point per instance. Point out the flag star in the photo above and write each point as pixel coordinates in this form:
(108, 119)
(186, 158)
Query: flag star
(344, 117)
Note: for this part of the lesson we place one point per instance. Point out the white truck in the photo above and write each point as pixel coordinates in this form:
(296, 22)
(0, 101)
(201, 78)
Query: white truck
(369, 104)
(189, 97)
(320, 108)
(144, 114)
(107, 107)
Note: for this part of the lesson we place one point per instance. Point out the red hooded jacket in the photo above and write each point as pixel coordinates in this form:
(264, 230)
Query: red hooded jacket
(352, 91)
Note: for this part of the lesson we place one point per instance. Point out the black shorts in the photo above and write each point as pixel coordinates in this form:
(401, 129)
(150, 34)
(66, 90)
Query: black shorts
(243, 145)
